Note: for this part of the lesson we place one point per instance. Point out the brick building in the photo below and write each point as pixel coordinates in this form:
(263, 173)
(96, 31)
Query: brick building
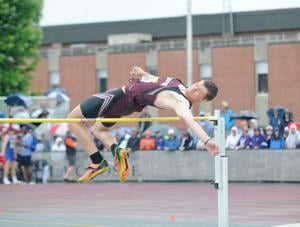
(256, 65)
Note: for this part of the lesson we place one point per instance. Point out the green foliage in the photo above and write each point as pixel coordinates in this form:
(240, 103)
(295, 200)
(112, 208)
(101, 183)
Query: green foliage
(20, 38)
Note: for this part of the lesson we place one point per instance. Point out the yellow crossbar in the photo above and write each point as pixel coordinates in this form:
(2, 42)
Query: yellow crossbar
(78, 120)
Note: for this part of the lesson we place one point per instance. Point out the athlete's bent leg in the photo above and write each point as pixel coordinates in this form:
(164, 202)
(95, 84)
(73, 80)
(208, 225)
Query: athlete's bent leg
(98, 165)
(81, 131)
(120, 155)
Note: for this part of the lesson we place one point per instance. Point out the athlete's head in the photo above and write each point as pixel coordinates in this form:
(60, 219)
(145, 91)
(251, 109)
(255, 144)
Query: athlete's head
(204, 90)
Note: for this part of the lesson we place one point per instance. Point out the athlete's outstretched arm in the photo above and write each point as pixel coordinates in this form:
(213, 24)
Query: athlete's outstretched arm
(184, 113)
(172, 101)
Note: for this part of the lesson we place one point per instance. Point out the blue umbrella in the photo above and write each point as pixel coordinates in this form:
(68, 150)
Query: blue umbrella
(279, 109)
(59, 93)
(18, 100)
(57, 90)
(245, 115)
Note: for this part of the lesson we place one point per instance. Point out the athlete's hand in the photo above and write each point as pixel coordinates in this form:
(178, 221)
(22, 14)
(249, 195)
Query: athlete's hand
(212, 147)
(137, 71)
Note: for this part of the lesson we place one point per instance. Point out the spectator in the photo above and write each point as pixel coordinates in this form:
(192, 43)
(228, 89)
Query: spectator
(258, 140)
(17, 111)
(26, 153)
(58, 150)
(293, 138)
(287, 119)
(227, 113)
(172, 142)
(147, 143)
(42, 112)
(143, 126)
(1, 139)
(285, 133)
(159, 140)
(232, 139)
(116, 133)
(9, 149)
(207, 126)
(276, 119)
(252, 127)
(43, 144)
(187, 141)
(70, 143)
(269, 134)
(277, 142)
(200, 145)
(134, 141)
(124, 140)
(58, 145)
(244, 140)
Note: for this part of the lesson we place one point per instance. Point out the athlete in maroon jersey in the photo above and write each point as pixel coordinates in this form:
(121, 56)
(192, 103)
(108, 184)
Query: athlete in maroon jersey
(142, 90)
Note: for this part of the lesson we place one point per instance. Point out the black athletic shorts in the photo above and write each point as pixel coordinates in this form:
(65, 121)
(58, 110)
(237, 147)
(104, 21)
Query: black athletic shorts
(25, 160)
(93, 105)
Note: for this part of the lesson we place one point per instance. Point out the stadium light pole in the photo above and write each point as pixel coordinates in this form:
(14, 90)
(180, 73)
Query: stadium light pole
(189, 43)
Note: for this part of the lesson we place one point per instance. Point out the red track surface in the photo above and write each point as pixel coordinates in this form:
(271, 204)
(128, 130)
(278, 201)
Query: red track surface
(249, 203)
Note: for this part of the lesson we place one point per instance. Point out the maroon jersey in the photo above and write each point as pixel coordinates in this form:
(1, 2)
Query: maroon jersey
(139, 92)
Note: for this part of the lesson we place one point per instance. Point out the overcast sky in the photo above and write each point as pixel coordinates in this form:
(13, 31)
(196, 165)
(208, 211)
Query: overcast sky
(58, 12)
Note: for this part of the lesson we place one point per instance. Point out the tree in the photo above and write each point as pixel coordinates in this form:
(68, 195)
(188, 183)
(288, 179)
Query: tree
(20, 38)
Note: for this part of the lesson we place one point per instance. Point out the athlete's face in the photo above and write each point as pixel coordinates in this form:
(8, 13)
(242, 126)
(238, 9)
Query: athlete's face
(197, 92)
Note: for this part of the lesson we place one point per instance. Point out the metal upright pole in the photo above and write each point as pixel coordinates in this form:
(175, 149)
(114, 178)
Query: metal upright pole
(230, 18)
(189, 43)
(221, 172)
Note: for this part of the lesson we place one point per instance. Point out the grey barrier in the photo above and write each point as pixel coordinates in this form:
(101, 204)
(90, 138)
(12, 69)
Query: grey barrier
(243, 166)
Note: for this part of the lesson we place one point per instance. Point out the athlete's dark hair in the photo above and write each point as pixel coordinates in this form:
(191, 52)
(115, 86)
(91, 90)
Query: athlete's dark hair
(211, 88)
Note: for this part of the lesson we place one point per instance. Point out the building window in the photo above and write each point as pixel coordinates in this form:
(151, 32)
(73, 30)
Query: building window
(102, 80)
(54, 79)
(205, 71)
(262, 77)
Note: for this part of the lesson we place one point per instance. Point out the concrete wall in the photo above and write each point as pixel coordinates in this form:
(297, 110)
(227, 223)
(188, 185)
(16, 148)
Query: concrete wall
(245, 166)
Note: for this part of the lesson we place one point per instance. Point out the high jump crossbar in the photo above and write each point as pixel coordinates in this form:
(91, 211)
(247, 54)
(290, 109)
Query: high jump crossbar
(221, 161)
(78, 120)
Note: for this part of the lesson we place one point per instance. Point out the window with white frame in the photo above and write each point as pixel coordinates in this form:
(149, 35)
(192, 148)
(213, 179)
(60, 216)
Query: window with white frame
(262, 77)
(205, 71)
(102, 80)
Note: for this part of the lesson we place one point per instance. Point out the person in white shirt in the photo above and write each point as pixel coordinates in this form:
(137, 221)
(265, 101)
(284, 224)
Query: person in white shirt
(293, 138)
(232, 139)
(58, 150)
